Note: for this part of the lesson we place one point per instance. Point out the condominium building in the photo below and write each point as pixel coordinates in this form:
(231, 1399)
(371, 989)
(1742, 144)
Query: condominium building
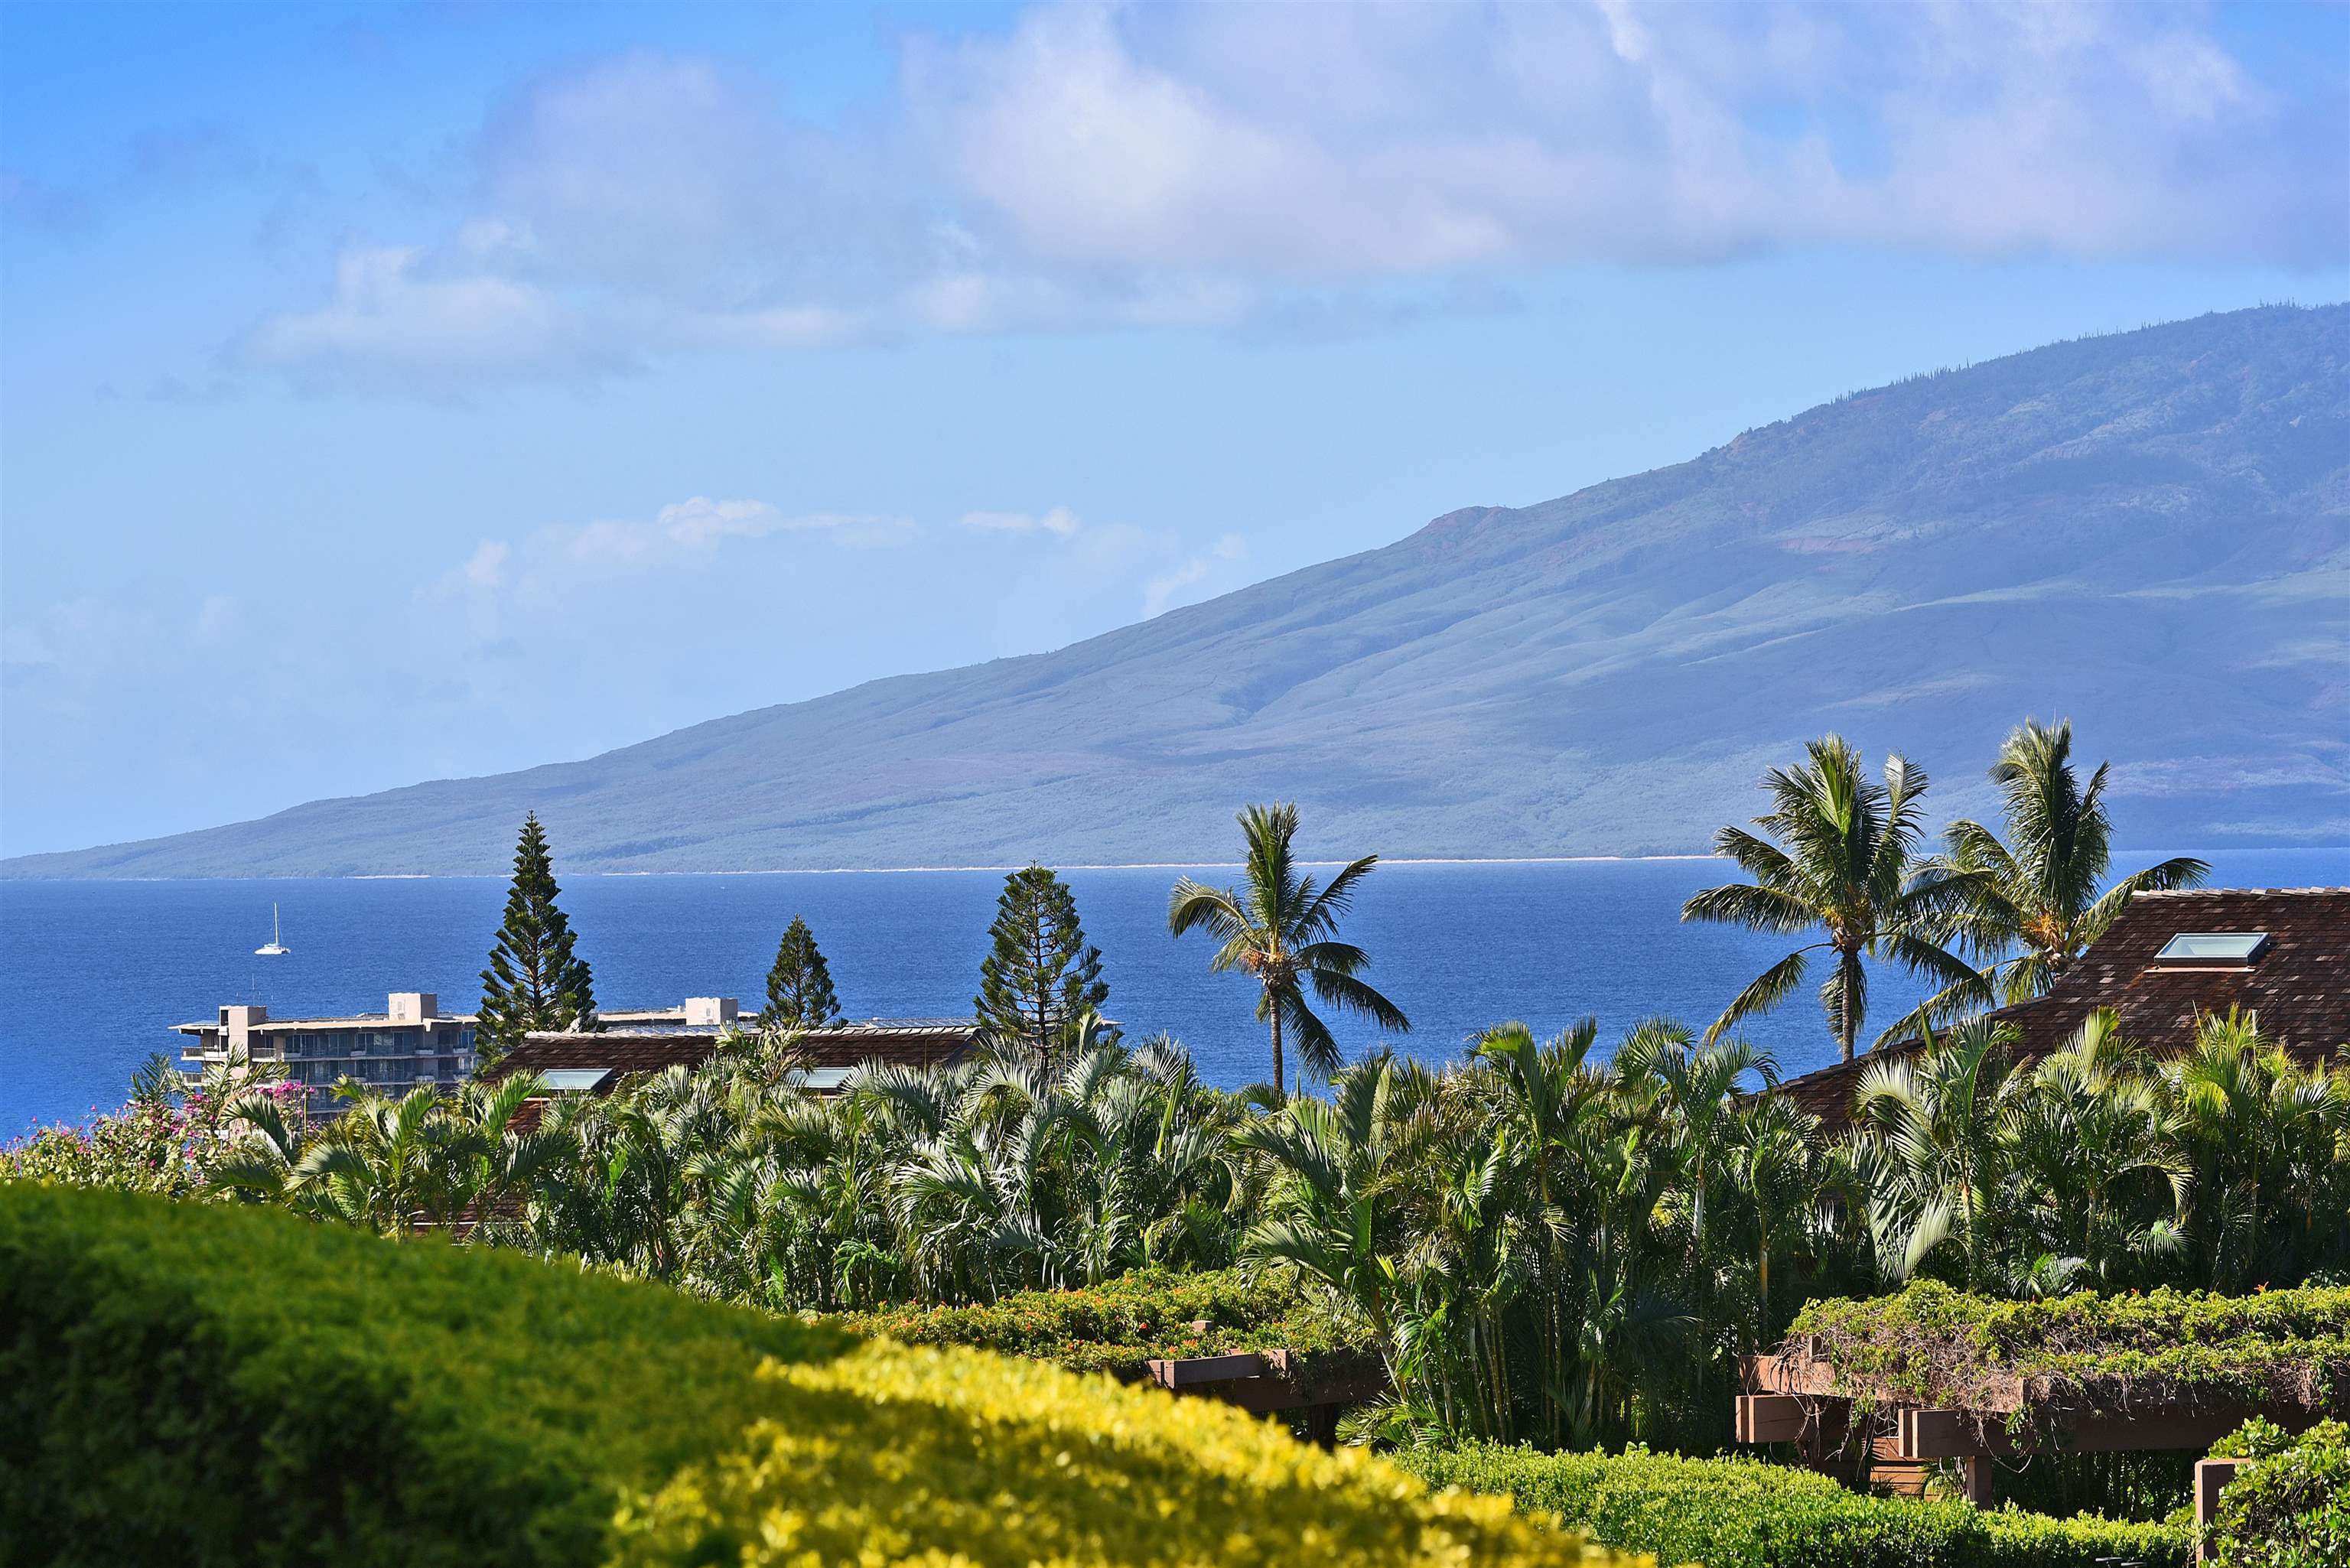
(412, 1042)
(408, 1044)
(622, 1045)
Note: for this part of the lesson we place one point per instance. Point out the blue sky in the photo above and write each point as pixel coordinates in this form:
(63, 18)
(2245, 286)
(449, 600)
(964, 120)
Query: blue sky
(390, 393)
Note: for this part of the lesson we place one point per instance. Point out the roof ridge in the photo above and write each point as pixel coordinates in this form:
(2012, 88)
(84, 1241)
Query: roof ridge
(2242, 892)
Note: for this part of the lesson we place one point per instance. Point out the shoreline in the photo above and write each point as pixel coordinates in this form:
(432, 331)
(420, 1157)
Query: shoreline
(908, 870)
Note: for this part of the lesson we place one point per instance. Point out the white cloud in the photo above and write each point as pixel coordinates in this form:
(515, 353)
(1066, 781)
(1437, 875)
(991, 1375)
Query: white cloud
(1090, 167)
(1458, 135)
(558, 569)
(390, 311)
(70, 636)
(1059, 521)
(1198, 578)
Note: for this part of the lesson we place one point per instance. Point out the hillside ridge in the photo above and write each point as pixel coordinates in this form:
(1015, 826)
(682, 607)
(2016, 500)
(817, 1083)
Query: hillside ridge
(2147, 532)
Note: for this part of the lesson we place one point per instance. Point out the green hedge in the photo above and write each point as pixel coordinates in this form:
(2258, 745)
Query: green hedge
(2292, 1508)
(204, 1385)
(1118, 1326)
(1747, 1513)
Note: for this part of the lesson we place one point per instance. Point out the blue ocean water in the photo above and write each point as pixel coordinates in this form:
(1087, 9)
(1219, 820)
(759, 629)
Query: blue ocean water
(92, 974)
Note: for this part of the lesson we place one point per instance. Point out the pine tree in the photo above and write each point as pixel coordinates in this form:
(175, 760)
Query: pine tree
(799, 988)
(534, 981)
(1042, 976)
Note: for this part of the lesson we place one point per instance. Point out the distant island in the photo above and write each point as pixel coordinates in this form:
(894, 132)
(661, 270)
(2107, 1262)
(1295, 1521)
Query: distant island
(2147, 533)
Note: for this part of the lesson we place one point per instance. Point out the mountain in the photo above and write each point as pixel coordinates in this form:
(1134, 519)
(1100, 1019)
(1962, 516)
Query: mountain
(2148, 533)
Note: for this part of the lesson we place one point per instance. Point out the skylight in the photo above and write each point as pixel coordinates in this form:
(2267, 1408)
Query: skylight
(574, 1080)
(2214, 947)
(823, 1080)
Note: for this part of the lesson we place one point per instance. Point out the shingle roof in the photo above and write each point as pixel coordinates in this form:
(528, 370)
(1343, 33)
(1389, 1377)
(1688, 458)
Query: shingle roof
(2299, 986)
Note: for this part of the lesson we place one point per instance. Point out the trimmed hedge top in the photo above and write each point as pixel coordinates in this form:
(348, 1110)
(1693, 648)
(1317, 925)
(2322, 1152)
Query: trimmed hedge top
(1746, 1514)
(201, 1384)
(1118, 1326)
(1938, 1346)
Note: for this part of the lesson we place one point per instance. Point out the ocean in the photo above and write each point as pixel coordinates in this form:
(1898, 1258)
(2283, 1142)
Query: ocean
(93, 974)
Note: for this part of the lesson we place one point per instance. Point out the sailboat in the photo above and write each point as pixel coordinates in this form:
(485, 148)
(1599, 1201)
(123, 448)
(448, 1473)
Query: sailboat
(273, 948)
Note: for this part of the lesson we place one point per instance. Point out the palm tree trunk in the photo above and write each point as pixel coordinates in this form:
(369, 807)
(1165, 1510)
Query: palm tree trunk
(1277, 1092)
(1848, 1020)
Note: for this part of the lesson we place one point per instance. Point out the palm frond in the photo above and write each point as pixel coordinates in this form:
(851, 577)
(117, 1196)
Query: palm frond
(1765, 991)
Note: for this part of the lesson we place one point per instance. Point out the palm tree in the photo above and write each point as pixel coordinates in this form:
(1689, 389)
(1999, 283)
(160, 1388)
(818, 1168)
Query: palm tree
(1330, 1208)
(1843, 864)
(2091, 1144)
(1283, 929)
(2262, 1140)
(1934, 1141)
(1781, 1171)
(2033, 904)
(1550, 1106)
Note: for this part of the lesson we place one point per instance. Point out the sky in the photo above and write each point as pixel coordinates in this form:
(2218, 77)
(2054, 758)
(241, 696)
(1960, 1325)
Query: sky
(390, 393)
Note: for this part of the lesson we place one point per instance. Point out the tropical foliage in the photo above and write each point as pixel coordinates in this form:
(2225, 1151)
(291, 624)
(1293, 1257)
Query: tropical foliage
(1837, 855)
(1281, 928)
(1565, 1243)
(2291, 1508)
(424, 1160)
(1936, 1346)
(2228, 1166)
(194, 1384)
(1538, 1243)
(2036, 900)
(1003, 1173)
(167, 1139)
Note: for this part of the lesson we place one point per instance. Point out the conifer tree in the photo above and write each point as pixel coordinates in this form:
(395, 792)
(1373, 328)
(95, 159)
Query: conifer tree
(799, 988)
(534, 981)
(1041, 977)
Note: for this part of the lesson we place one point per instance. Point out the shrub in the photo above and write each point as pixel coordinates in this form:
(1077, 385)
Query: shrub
(1116, 1327)
(1746, 1514)
(148, 1146)
(2291, 1508)
(208, 1385)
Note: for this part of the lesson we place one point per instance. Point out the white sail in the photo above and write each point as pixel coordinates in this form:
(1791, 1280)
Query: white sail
(273, 948)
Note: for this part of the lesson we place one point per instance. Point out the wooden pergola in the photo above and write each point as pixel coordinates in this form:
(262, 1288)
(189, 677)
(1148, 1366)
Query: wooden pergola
(1272, 1382)
(1798, 1397)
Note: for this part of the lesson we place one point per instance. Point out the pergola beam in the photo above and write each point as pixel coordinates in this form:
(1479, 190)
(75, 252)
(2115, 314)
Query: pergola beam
(1960, 1435)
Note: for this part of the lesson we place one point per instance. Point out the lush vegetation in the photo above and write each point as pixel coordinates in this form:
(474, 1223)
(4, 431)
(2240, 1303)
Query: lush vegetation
(1152, 1313)
(1745, 1513)
(2291, 1508)
(1536, 1244)
(1008, 1172)
(2036, 901)
(1934, 1346)
(205, 1385)
(1565, 1242)
(167, 1139)
(1281, 928)
(1839, 856)
(2227, 1167)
